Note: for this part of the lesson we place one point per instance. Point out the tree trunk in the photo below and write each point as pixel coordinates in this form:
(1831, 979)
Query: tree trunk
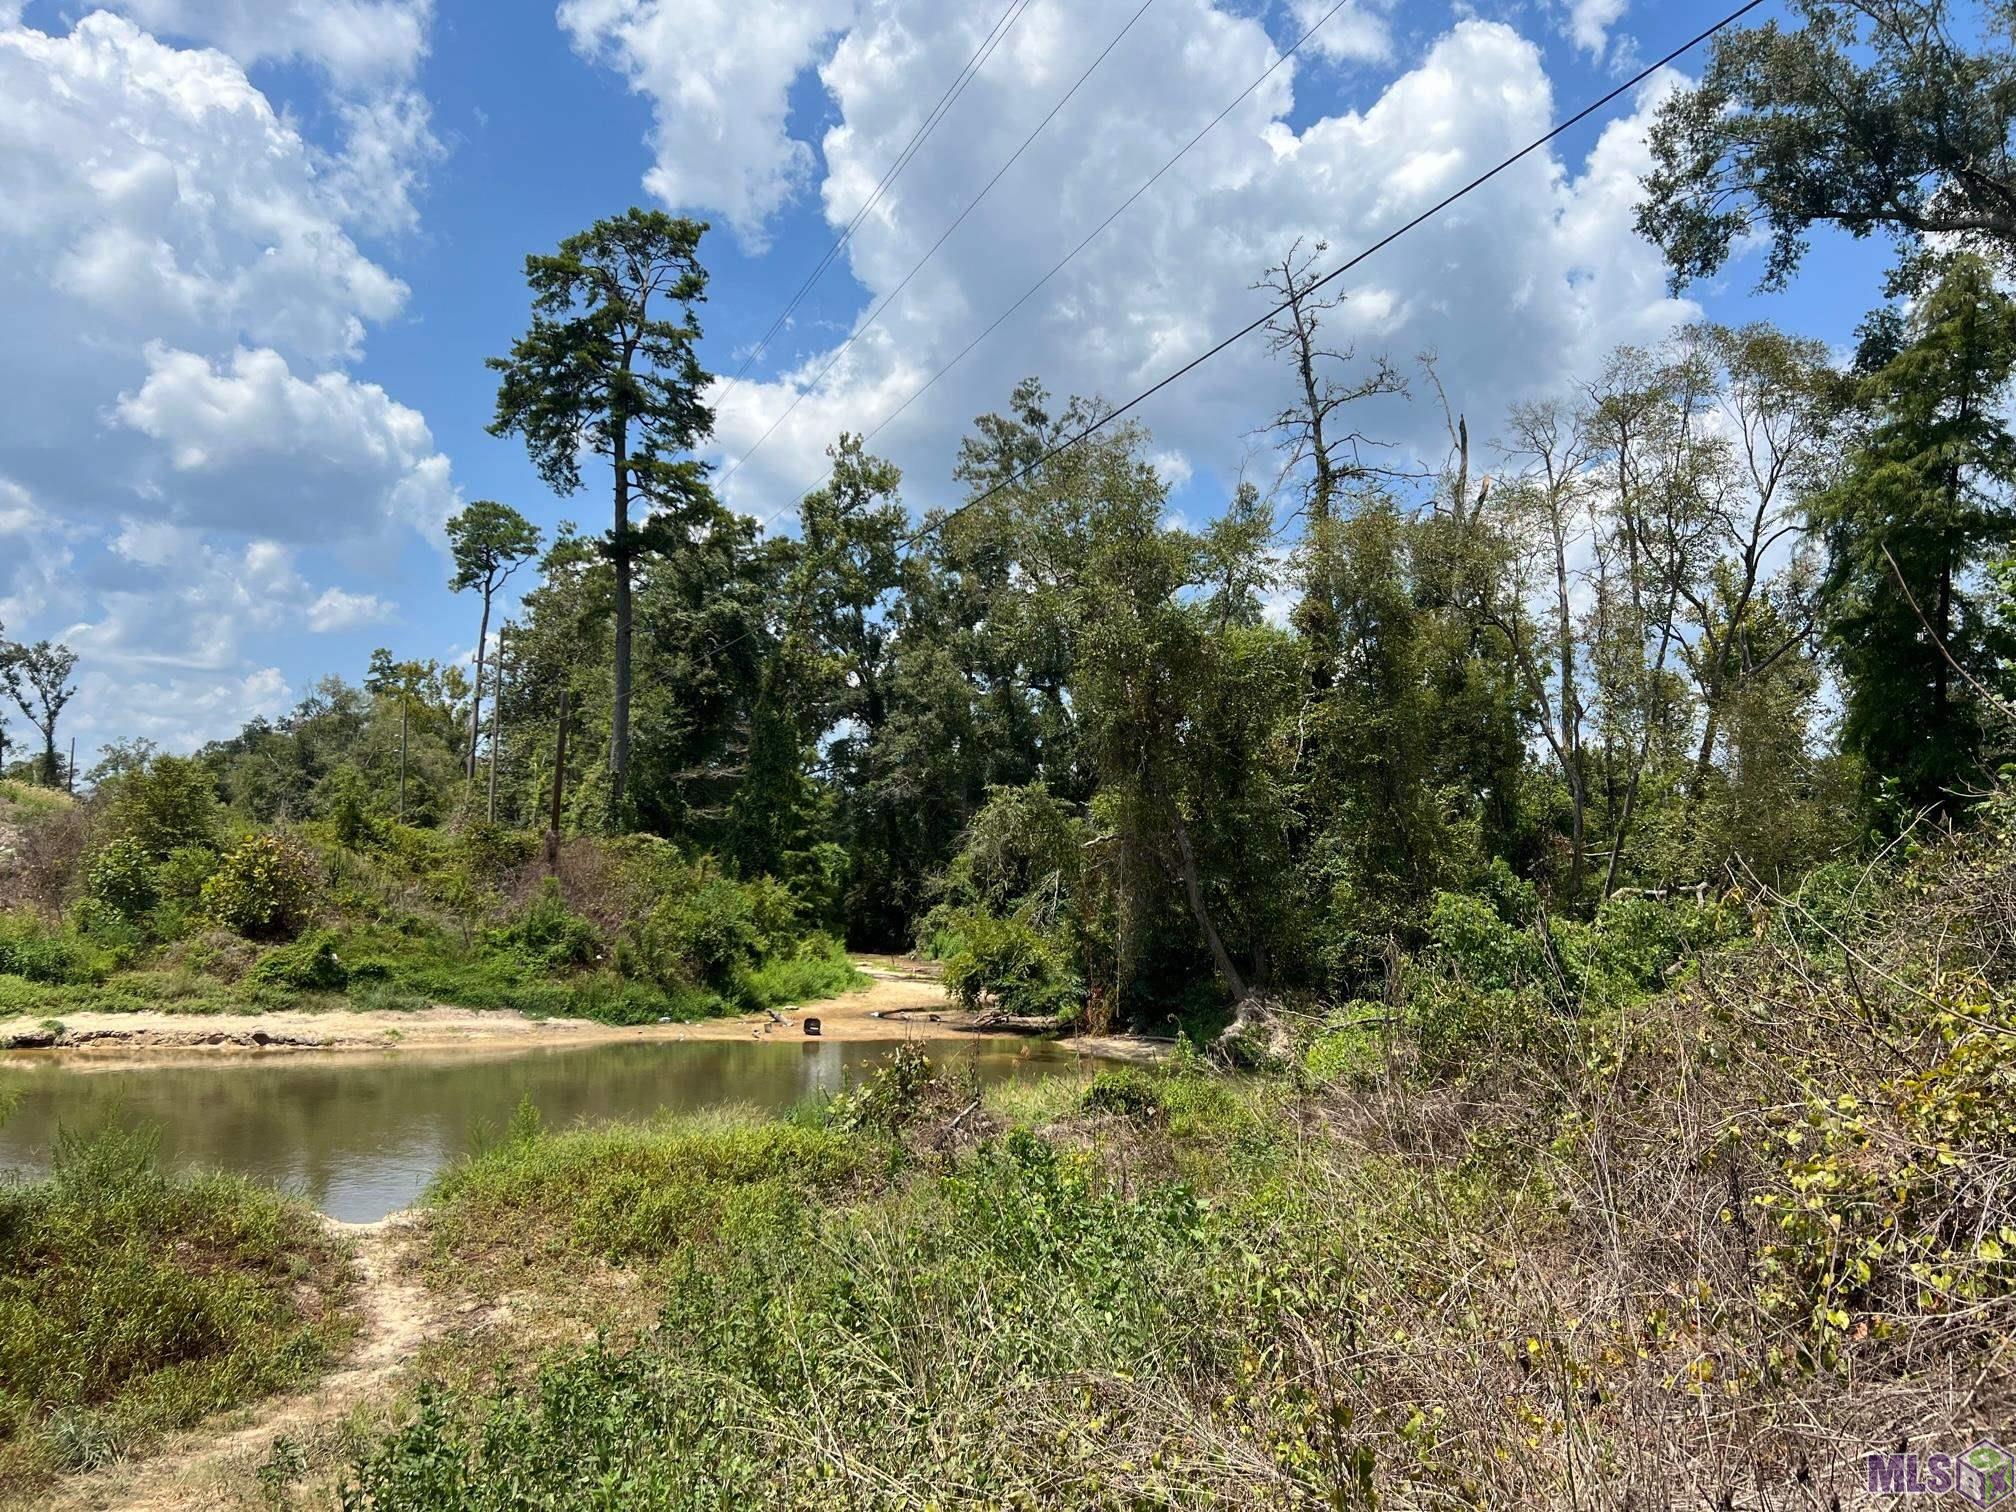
(496, 734)
(476, 702)
(1940, 685)
(1194, 889)
(559, 785)
(619, 718)
(405, 709)
(1704, 759)
(49, 766)
(1571, 718)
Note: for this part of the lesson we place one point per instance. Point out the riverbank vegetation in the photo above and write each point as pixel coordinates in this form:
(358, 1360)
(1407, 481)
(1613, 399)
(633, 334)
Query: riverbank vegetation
(133, 1303)
(154, 895)
(1697, 1202)
(1570, 872)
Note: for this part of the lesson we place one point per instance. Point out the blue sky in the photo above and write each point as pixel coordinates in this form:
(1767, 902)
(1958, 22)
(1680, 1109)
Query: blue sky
(259, 249)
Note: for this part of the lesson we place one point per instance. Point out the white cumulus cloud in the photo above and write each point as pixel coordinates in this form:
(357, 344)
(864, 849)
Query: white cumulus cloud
(718, 74)
(1516, 288)
(359, 42)
(298, 456)
(181, 273)
(338, 609)
(1589, 23)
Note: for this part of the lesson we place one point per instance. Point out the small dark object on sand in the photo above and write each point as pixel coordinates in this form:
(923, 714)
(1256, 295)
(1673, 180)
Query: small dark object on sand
(812, 1027)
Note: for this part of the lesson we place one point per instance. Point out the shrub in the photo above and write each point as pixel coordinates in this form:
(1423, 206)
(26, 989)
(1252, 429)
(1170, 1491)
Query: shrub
(889, 1097)
(43, 857)
(264, 887)
(703, 936)
(53, 956)
(1468, 936)
(307, 965)
(169, 803)
(121, 877)
(1126, 1090)
(490, 850)
(817, 967)
(548, 933)
(1025, 970)
(344, 799)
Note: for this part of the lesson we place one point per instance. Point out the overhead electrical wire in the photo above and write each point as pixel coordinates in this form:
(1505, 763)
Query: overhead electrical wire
(1335, 273)
(959, 220)
(932, 526)
(1094, 234)
(1003, 24)
(1058, 266)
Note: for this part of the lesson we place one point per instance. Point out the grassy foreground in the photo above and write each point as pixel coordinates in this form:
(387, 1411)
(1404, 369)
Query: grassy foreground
(1587, 1220)
(1685, 1206)
(133, 1302)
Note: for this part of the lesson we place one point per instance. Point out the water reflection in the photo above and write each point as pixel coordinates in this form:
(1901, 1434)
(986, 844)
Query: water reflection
(361, 1137)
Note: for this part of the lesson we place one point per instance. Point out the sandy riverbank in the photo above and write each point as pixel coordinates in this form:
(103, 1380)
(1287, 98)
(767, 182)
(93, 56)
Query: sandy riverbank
(895, 1006)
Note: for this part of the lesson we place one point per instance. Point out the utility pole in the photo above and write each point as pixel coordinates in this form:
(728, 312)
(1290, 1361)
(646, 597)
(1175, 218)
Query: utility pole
(405, 707)
(496, 727)
(559, 780)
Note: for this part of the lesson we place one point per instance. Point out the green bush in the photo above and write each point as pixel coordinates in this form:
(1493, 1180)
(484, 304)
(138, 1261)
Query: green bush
(308, 965)
(1345, 1049)
(264, 887)
(548, 934)
(1126, 1090)
(167, 804)
(54, 957)
(489, 851)
(1025, 970)
(817, 967)
(120, 877)
(133, 1302)
(1468, 937)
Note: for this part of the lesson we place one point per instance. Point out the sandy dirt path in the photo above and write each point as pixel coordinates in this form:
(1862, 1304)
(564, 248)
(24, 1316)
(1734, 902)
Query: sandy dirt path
(853, 1016)
(216, 1463)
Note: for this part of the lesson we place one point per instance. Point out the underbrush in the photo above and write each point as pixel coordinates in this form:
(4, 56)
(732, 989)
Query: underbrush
(636, 1192)
(160, 904)
(133, 1302)
(1682, 1207)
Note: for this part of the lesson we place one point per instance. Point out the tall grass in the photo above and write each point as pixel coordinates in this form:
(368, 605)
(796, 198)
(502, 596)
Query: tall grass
(133, 1301)
(1660, 1212)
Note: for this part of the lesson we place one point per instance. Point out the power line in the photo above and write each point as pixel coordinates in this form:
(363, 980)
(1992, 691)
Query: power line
(958, 221)
(1337, 272)
(1118, 210)
(1003, 24)
(933, 526)
(1058, 266)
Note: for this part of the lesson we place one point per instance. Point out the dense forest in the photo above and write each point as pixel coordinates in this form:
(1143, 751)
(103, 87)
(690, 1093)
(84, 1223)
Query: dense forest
(1558, 890)
(1728, 612)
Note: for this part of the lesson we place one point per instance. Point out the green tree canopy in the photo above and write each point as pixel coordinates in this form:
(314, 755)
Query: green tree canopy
(1874, 115)
(1922, 507)
(608, 368)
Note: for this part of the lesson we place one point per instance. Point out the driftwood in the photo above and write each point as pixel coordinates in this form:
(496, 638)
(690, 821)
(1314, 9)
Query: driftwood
(1257, 1033)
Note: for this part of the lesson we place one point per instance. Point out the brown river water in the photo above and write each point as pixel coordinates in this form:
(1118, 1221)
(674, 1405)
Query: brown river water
(360, 1136)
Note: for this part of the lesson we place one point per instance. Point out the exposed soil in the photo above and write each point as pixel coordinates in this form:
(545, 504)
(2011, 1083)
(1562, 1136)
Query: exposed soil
(216, 1463)
(901, 1002)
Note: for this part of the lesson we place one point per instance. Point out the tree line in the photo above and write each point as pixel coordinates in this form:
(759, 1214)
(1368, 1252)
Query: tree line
(1725, 610)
